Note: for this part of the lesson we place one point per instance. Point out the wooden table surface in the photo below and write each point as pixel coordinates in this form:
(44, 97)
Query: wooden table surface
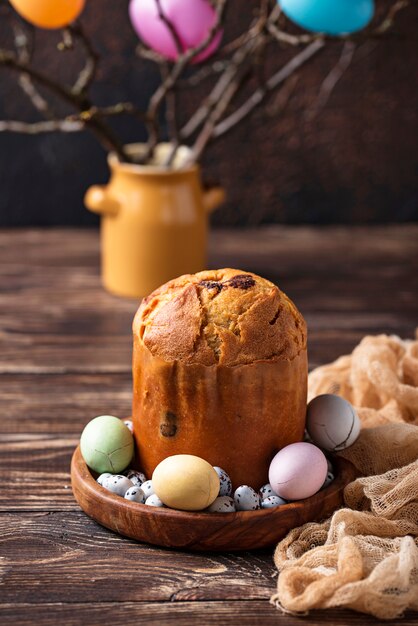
(65, 357)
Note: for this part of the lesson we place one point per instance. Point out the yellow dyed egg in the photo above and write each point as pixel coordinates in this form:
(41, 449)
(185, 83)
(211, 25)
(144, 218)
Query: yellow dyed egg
(185, 482)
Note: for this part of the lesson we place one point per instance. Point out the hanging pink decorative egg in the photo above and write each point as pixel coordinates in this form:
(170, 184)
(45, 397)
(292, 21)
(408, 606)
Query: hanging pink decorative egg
(192, 20)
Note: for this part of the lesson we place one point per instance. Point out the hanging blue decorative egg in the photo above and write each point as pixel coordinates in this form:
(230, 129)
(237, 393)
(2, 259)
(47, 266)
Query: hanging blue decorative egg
(332, 17)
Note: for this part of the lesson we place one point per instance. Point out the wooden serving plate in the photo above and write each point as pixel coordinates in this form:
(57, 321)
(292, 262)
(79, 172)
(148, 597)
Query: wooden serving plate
(244, 530)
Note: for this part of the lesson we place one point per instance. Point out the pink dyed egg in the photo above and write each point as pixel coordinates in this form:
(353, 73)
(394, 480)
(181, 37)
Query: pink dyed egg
(192, 20)
(298, 471)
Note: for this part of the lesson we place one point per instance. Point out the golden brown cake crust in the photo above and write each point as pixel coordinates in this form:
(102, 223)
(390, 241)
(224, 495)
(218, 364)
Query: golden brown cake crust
(226, 317)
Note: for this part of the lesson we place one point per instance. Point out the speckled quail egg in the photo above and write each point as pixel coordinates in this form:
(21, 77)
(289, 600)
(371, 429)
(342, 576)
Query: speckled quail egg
(246, 499)
(129, 424)
(138, 478)
(330, 477)
(135, 494)
(225, 488)
(272, 501)
(332, 422)
(103, 477)
(118, 484)
(154, 500)
(147, 488)
(265, 491)
(222, 504)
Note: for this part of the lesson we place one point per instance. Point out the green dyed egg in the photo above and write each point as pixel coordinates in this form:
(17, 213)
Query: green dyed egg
(107, 444)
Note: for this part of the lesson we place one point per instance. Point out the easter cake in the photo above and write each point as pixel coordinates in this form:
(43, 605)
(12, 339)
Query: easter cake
(220, 372)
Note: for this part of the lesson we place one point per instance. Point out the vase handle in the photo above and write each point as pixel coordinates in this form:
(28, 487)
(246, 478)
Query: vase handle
(212, 198)
(98, 201)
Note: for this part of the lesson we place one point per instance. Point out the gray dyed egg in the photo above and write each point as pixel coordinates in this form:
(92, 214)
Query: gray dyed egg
(266, 491)
(225, 487)
(135, 494)
(246, 499)
(332, 422)
(222, 504)
(129, 424)
(330, 477)
(272, 501)
(103, 477)
(118, 484)
(154, 500)
(147, 488)
(138, 478)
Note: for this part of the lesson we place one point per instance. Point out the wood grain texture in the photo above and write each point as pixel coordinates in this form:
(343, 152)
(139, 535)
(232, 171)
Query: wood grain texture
(37, 548)
(65, 353)
(57, 403)
(216, 613)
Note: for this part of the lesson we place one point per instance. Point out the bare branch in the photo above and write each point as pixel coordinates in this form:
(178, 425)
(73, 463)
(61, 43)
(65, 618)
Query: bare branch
(224, 81)
(204, 72)
(207, 131)
(332, 79)
(173, 31)
(96, 123)
(389, 19)
(286, 38)
(174, 75)
(149, 55)
(88, 73)
(23, 48)
(37, 128)
(250, 44)
(272, 83)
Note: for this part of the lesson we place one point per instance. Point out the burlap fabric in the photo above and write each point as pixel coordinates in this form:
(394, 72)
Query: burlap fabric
(365, 557)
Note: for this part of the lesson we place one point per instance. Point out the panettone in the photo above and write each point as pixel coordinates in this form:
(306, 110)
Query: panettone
(219, 371)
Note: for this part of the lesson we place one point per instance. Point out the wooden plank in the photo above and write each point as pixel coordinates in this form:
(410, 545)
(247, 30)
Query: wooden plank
(35, 472)
(80, 247)
(213, 613)
(38, 548)
(57, 403)
(55, 317)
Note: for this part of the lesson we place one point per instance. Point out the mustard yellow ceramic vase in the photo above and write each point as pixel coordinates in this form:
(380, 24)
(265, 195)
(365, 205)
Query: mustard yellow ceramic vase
(154, 221)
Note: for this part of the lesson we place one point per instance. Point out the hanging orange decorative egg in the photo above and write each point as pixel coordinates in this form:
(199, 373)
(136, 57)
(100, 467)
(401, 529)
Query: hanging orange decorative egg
(49, 13)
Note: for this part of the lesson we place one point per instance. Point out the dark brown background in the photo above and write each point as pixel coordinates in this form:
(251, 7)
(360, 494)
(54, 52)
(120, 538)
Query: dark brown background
(355, 162)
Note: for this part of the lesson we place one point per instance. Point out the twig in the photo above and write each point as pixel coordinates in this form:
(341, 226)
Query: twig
(24, 53)
(174, 75)
(332, 79)
(171, 117)
(389, 19)
(36, 128)
(202, 113)
(207, 131)
(204, 72)
(287, 38)
(149, 55)
(272, 83)
(173, 31)
(96, 123)
(88, 73)
(249, 45)
(71, 123)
